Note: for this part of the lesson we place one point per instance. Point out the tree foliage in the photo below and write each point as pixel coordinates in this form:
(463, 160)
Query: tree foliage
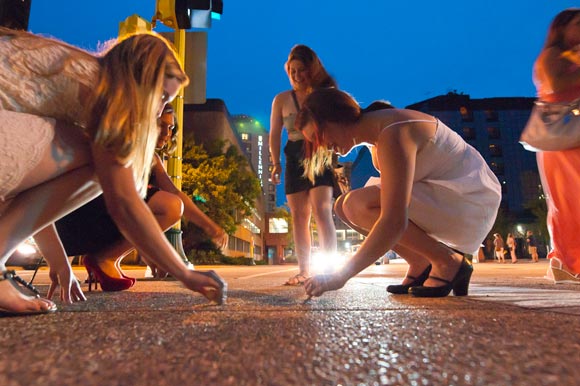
(222, 185)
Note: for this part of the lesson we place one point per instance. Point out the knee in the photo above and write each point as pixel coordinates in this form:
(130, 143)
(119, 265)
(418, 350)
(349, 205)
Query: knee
(351, 208)
(174, 208)
(167, 205)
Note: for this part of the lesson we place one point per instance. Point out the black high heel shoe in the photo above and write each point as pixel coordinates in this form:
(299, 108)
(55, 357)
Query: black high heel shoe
(403, 289)
(459, 284)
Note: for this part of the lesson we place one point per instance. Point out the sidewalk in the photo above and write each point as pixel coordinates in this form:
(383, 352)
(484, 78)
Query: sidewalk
(515, 328)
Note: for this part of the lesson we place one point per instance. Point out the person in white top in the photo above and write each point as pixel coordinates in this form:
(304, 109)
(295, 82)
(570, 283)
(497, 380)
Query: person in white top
(437, 199)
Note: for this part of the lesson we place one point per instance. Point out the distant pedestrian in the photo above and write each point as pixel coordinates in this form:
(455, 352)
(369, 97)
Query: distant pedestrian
(511, 244)
(532, 246)
(499, 247)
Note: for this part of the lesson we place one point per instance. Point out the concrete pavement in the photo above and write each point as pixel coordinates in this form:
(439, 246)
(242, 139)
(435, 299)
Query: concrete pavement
(515, 328)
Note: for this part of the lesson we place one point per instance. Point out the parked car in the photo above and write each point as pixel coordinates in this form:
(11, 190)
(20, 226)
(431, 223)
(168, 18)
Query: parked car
(26, 255)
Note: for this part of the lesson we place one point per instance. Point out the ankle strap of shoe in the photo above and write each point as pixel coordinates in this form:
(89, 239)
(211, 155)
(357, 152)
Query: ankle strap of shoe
(11, 275)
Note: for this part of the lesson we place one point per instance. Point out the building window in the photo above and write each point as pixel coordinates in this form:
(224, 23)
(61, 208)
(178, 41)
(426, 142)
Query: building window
(271, 197)
(491, 115)
(468, 133)
(248, 147)
(245, 137)
(497, 168)
(495, 150)
(466, 114)
(271, 188)
(493, 133)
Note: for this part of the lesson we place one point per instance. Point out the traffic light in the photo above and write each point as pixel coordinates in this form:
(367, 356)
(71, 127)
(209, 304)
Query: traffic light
(15, 13)
(187, 14)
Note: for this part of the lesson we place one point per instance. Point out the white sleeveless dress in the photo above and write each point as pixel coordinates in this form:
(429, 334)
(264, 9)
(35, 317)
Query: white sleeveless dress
(39, 82)
(455, 195)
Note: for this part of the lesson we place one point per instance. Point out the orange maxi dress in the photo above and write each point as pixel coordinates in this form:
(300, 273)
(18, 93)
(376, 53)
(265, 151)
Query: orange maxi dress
(560, 174)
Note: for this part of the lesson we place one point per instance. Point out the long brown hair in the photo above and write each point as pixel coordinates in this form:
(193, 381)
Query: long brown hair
(318, 74)
(123, 107)
(323, 106)
(555, 36)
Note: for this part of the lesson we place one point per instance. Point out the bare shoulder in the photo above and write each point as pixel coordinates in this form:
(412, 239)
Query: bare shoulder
(406, 125)
(283, 96)
(281, 100)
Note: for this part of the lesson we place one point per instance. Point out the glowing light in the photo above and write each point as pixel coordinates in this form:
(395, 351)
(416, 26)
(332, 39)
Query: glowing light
(26, 249)
(326, 262)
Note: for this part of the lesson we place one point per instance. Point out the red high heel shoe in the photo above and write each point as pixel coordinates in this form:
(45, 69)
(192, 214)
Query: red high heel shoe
(108, 283)
(118, 265)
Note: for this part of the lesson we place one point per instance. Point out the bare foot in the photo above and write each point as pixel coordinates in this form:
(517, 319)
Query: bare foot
(13, 301)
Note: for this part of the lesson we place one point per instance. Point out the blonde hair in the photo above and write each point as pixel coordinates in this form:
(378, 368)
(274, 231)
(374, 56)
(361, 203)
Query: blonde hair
(122, 109)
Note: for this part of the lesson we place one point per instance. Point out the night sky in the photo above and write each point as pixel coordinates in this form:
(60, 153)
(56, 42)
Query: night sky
(404, 51)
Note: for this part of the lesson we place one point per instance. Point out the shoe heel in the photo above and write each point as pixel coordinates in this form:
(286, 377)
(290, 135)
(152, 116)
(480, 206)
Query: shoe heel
(461, 282)
(91, 279)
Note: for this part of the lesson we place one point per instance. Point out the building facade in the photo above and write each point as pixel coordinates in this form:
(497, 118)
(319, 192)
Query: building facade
(255, 140)
(211, 121)
(493, 126)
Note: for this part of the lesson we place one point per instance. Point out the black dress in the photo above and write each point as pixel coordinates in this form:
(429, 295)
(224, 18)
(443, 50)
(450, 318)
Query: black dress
(90, 228)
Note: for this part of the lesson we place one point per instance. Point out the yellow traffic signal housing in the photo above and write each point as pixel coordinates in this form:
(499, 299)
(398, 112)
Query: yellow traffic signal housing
(165, 13)
(134, 24)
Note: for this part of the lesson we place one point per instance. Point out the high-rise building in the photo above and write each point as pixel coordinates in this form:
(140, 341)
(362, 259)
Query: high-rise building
(255, 141)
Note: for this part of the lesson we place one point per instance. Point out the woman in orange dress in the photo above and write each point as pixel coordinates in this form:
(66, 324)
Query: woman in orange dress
(557, 79)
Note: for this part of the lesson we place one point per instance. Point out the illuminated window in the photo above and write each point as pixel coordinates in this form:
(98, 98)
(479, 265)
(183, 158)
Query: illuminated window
(466, 114)
(245, 136)
(495, 150)
(497, 168)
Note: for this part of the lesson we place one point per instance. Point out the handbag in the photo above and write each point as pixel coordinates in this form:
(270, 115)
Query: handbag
(552, 127)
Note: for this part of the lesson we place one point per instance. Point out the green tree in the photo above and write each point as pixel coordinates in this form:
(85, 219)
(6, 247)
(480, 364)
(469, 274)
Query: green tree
(539, 208)
(222, 184)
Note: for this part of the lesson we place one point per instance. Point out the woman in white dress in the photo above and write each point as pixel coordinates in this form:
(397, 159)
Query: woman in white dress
(437, 199)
